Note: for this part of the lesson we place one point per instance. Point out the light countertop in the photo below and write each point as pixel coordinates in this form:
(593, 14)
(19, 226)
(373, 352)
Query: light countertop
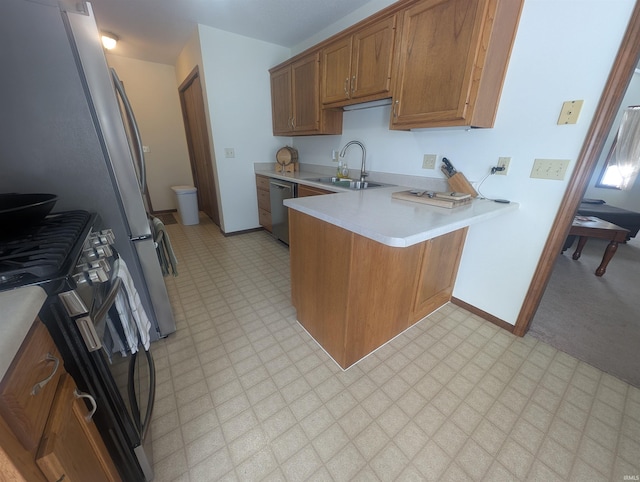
(374, 214)
(19, 309)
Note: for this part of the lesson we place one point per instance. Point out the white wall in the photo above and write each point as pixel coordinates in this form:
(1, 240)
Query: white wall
(629, 199)
(354, 17)
(153, 93)
(236, 78)
(191, 57)
(553, 60)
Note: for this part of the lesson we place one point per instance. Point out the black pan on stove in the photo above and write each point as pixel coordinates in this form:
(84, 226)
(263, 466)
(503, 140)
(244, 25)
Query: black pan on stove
(22, 210)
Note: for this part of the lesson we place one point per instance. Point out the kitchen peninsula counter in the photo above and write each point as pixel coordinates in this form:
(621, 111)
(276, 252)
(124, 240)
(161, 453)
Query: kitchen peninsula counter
(365, 267)
(373, 213)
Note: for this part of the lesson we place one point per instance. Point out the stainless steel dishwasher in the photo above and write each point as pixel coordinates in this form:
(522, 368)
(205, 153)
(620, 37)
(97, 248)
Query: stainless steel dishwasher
(279, 191)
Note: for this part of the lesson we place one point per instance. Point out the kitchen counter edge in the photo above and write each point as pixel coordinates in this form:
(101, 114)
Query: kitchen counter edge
(374, 214)
(19, 308)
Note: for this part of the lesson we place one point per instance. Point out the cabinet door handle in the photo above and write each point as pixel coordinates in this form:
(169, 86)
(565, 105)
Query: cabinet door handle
(395, 110)
(293, 122)
(78, 394)
(346, 86)
(40, 385)
(353, 84)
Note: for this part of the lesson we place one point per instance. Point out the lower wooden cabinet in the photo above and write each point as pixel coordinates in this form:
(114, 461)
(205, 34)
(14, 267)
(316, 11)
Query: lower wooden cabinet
(71, 447)
(44, 431)
(436, 275)
(304, 191)
(264, 201)
(353, 294)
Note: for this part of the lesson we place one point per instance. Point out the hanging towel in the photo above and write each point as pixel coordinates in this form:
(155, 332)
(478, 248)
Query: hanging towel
(166, 256)
(135, 323)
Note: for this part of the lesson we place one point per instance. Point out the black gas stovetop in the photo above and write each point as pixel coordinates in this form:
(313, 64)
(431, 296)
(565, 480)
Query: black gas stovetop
(43, 252)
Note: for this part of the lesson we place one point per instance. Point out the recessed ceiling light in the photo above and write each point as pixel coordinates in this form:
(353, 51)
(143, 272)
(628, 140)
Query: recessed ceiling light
(109, 40)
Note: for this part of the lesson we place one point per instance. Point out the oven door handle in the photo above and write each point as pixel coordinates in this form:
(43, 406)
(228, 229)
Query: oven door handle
(142, 422)
(101, 312)
(86, 324)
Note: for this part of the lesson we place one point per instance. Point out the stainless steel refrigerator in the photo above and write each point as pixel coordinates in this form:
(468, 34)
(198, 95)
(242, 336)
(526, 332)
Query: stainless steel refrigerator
(62, 132)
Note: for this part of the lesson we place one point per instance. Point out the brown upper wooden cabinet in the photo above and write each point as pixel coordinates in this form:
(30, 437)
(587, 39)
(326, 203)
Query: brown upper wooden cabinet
(295, 100)
(452, 60)
(442, 62)
(357, 67)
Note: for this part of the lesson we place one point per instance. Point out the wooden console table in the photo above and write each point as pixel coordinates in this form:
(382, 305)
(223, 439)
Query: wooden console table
(592, 227)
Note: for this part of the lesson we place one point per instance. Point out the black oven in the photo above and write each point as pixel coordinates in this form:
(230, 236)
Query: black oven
(90, 318)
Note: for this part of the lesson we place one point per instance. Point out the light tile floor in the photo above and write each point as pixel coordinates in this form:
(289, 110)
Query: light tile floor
(245, 394)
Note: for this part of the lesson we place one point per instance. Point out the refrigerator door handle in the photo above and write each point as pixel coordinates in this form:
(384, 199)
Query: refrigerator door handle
(140, 238)
(136, 132)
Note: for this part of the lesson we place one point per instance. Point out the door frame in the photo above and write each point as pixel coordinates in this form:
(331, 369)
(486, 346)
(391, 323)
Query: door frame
(213, 197)
(621, 72)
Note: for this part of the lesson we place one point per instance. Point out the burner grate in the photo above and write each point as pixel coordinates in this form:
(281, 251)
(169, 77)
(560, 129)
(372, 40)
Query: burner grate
(41, 251)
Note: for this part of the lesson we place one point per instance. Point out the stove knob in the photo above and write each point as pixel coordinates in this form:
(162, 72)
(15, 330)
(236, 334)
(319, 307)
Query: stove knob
(97, 275)
(89, 255)
(104, 251)
(103, 264)
(107, 236)
(80, 278)
(82, 267)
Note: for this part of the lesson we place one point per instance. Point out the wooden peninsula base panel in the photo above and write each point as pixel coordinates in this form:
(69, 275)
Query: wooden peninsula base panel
(353, 294)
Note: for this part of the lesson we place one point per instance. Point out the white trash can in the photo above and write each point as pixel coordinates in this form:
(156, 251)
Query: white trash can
(187, 204)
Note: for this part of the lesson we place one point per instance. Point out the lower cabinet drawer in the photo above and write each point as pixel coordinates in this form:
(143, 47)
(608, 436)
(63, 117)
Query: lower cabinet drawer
(28, 388)
(264, 200)
(265, 219)
(262, 182)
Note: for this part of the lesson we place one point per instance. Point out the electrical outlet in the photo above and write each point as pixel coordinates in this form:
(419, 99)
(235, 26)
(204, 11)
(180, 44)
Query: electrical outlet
(549, 169)
(229, 152)
(570, 112)
(503, 162)
(429, 161)
(334, 155)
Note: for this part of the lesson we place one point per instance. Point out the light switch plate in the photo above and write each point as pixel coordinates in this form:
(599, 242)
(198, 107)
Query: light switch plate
(570, 112)
(549, 169)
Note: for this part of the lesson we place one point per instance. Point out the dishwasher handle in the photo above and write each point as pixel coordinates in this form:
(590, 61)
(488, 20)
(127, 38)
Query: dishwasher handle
(284, 186)
(280, 185)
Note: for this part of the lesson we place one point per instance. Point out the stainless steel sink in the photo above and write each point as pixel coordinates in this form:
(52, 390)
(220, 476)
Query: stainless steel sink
(347, 183)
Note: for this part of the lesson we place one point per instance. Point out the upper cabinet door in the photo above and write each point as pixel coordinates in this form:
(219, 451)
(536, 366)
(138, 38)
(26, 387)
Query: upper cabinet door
(336, 71)
(453, 58)
(438, 49)
(305, 78)
(281, 106)
(372, 59)
(358, 67)
(295, 100)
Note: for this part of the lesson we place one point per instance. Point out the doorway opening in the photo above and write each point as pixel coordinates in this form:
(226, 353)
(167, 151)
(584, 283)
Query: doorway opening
(195, 124)
(613, 93)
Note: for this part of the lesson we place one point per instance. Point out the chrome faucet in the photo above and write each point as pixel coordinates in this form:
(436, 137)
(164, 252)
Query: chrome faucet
(363, 172)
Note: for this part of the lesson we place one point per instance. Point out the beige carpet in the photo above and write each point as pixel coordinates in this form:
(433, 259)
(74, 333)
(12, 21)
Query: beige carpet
(595, 319)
